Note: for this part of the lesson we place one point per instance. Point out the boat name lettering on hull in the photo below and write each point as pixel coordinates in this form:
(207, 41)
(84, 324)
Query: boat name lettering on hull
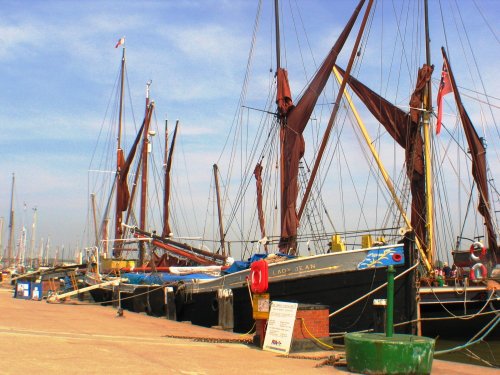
(282, 271)
(307, 267)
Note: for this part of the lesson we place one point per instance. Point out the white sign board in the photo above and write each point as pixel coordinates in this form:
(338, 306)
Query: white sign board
(280, 327)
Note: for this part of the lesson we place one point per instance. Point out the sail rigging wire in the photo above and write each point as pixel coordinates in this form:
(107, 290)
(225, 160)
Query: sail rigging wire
(246, 79)
(473, 56)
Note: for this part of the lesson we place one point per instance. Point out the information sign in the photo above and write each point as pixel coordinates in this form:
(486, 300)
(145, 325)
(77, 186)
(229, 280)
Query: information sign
(280, 327)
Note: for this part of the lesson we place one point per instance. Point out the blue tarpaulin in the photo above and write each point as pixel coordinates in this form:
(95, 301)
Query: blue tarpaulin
(161, 277)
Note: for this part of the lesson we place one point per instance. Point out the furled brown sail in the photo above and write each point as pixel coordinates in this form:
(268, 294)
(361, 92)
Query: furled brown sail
(402, 127)
(294, 122)
(478, 156)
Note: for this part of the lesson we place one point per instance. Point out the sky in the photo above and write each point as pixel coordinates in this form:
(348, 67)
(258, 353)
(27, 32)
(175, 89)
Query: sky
(59, 67)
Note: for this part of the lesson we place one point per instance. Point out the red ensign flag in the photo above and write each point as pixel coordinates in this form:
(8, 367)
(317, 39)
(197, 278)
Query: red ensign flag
(444, 88)
(120, 42)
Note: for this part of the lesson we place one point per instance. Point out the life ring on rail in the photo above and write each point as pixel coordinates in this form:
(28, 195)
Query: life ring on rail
(259, 276)
(478, 272)
(475, 247)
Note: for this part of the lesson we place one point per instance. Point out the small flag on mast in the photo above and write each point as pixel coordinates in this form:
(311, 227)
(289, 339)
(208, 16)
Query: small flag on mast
(444, 88)
(120, 42)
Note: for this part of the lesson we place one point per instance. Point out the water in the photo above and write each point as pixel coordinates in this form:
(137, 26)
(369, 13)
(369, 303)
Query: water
(484, 353)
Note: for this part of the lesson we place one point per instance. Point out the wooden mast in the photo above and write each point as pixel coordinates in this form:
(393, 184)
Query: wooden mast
(291, 243)
(219, 210)
(166, 227)
(383, 171)
(119, 159)
(11, 224)
(144, 163)
(168, 167)
(94, 216)
(144, 170)
(425, 118)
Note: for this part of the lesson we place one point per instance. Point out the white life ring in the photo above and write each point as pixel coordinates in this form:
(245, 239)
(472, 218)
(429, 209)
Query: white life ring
(475, 247)
(478, 272)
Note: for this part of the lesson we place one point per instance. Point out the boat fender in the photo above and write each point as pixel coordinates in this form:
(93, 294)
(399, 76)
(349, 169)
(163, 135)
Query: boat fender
(478, 272)
(397, 257)
(259, 276)
(475, 247)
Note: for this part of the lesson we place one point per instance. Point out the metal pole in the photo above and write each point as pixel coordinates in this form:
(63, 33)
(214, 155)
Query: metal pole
(389, 327)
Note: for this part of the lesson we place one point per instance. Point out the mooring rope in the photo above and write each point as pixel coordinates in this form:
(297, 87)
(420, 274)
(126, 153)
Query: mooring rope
(373, 291)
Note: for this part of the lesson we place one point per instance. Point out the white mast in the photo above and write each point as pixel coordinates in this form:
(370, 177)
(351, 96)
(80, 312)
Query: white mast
(40, 253)
(47, 248)
(32, 242)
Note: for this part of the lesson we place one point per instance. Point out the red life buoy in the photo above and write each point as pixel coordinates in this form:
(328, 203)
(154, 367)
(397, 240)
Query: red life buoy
(474, 275)
(476, 246)
(259, 276)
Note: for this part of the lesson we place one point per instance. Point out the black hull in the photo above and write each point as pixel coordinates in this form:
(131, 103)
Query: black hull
(333, 280)
(458, 314)
(333, 290)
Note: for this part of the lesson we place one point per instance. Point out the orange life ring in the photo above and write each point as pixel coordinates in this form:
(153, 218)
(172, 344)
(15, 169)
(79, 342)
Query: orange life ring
(475, 247)
(259, 276)
(474, 275)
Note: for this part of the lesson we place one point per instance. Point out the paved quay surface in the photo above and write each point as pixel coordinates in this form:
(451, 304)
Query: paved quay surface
(72, 338)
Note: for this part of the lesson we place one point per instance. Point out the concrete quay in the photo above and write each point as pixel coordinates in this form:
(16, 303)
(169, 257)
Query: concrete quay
(77, 338)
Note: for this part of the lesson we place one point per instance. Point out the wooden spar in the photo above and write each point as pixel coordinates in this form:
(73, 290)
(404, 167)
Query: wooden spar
(291, 243)
(168, 167)
(157, 242)
(207, 254)
(219, 210)
(11, 224)
(57, 297)
(334, 111)
(144, 170)
(382, 169)
(425, 118)
(166, 226)
(119, 157)
(134, 189)
(94, 216)
(144, 160)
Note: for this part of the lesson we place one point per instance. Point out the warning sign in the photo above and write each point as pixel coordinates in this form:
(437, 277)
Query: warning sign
(280, 327)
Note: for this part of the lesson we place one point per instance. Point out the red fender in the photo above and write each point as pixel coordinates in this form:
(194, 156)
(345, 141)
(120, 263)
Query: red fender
(259, 276)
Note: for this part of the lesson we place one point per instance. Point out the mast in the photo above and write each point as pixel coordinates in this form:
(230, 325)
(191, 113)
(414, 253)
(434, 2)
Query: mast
(291, 243)
(425, 118)
(293, 121)
(144, 173)
(119, 159)
(33, 232)
(47, 249)
(383, 171)
(168, 167)
(40, 253)
(219, 210)
(166, 227)
(277, 26)
(144, 161)
(94, 216)
(11, 224)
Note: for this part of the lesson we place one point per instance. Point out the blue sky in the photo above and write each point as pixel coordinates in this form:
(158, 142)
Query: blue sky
(59, 66)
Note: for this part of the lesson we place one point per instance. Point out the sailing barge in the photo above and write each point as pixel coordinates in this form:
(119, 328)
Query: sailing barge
(346, 277)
